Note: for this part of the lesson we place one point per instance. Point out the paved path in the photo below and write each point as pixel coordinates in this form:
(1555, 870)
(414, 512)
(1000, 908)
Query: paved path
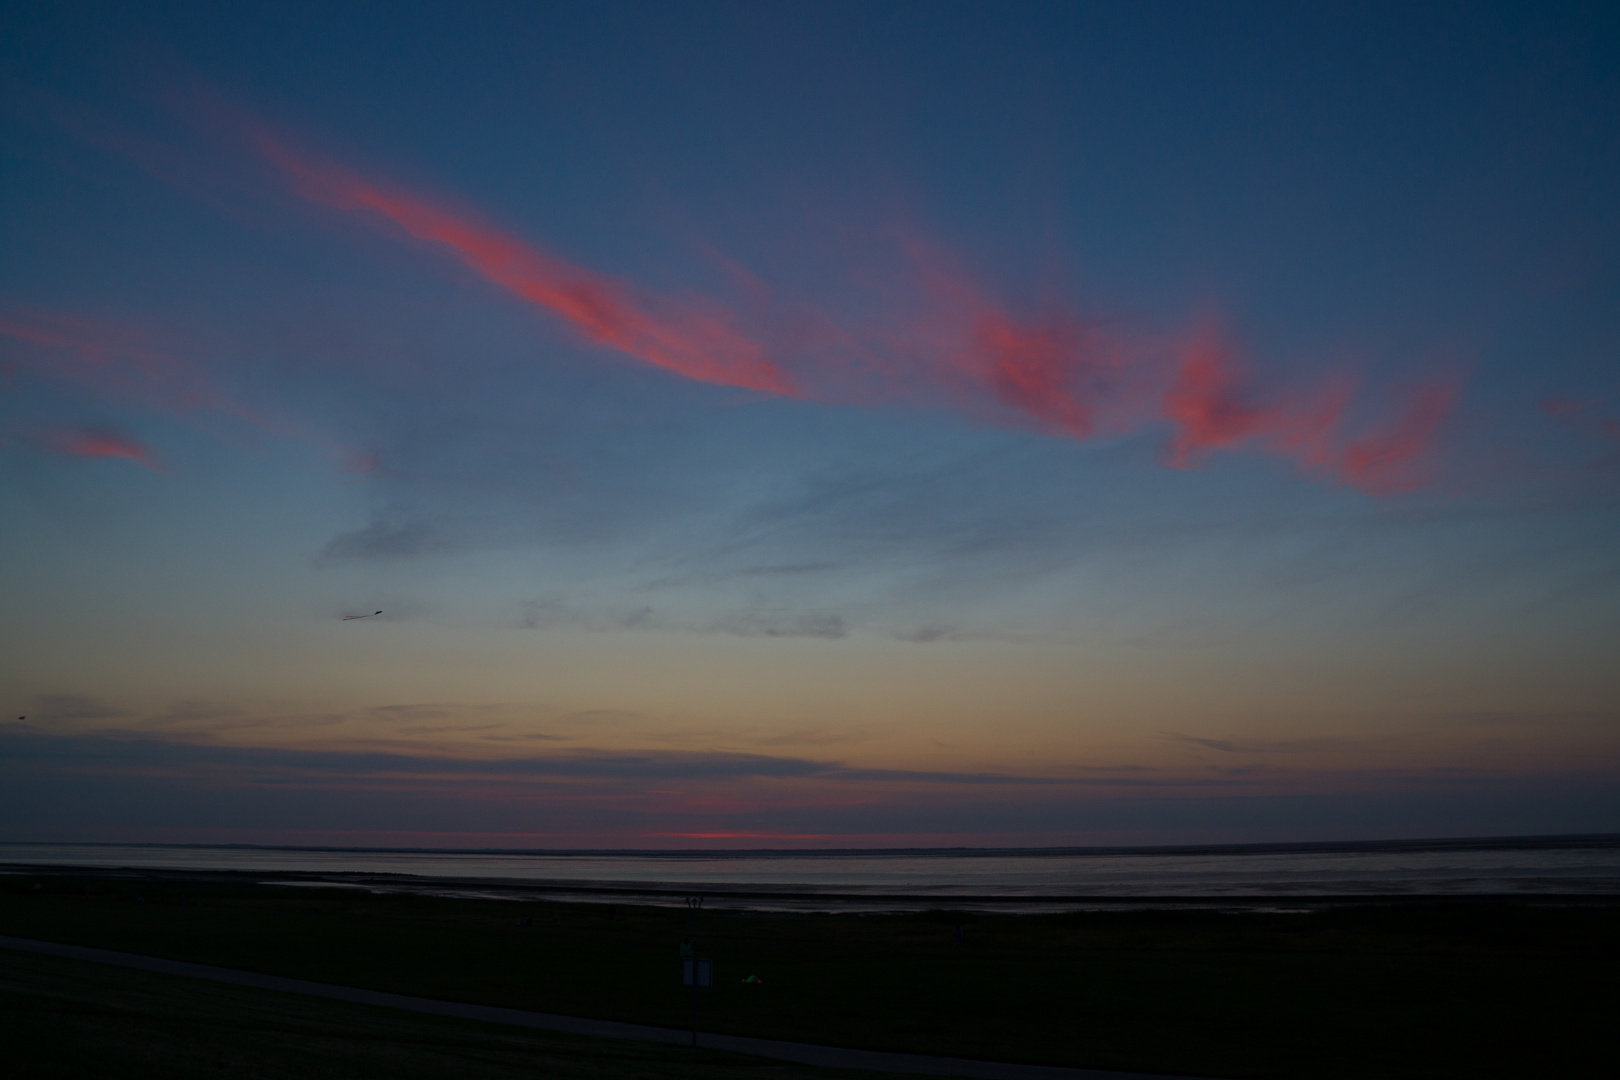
(832, 1057)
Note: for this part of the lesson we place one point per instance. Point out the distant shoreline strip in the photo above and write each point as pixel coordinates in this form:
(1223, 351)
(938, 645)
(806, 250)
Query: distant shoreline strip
(520, 889)
(1540, 842)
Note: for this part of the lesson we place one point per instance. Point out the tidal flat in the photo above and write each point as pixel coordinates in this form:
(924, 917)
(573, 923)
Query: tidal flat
(1480, 989)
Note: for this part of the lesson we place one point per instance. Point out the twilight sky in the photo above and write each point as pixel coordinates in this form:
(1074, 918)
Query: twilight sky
(808, 424)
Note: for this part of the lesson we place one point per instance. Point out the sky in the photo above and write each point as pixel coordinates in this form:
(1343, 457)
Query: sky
(808, 424)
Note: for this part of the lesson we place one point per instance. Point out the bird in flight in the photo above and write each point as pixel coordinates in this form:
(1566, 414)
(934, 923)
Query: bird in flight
(350, 618)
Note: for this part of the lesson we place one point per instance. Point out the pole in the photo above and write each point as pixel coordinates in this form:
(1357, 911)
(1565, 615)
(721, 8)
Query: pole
(694, 991)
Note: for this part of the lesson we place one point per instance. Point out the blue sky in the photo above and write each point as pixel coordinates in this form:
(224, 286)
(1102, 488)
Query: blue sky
(883, 423)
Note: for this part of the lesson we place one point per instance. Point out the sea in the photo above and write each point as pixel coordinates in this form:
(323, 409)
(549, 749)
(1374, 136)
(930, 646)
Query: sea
(1273, 876)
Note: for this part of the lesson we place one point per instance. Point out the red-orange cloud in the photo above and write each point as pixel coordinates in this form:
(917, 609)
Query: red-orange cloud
(111, 360)
(1581, 415)
(1210, 407)
(100, 442)
(1396, 460)
(1055, 371)
(1052, 369)
(688, 336)
(1081, 379)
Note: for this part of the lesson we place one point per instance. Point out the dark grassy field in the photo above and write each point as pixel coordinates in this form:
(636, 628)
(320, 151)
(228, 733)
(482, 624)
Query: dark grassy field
(1476, 990)
(65, 1019)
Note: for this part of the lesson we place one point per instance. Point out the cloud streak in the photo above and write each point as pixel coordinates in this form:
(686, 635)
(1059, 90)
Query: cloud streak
(1211, 408)
(136, 752)
(944, 337)
(102, 442)
(112, 360)
(755, 622)
(688, 336)
(1584, 417)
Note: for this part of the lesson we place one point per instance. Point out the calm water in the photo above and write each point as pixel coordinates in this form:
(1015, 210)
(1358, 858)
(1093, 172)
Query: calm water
(1028, 879)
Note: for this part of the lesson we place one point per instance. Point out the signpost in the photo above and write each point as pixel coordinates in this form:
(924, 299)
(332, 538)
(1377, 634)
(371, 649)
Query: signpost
(696, 973)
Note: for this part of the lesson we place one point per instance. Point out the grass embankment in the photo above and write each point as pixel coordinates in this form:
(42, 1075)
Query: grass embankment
(1409, 991)
(65, 1019)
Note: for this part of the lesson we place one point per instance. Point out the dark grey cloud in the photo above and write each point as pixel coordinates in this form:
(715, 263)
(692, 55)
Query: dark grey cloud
(114, 751)
(139, 789)
(552, 613)
(915, 523)
(75, 707)
(803, 624)
(557, 613)
(389, 535)
(1265, 746)
(188, 712)
(1532, 719)
(412, 711)
(924, 635)
(458, 728)
(744, 573)
(600, 716)
(528, 736)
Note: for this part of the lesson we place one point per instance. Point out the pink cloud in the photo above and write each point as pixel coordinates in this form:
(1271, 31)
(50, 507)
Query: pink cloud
(1564, 408)
(112, 360)
(1581, 415)
(1396, 460)
(686, 335)
(1212, 405)
(941, 336)
(1053, 369)
(102, 442)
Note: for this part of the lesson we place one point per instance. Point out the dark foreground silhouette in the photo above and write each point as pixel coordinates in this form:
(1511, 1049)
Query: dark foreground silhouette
(1478, 989)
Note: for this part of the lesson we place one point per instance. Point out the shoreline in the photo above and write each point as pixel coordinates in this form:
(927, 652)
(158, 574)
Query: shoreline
(788, 900)
(1425, 845)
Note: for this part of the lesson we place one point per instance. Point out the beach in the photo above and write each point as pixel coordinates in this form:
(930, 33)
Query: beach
(1011, 880)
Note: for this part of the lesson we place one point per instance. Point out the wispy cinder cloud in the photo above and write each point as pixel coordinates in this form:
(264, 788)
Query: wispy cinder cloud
(631, 798)
(745, 573)
(116, 361)
(951, 341)
(805, 624)
(123, 366)
(1588, 418)
(926, 635)
(75, 707)
(1266, 746)
(387, 536)
(769, 623)
(101, 441)
(686, 335)
(1211, 408)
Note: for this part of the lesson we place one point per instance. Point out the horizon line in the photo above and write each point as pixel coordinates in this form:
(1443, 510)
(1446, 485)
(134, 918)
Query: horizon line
(1569, 840)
